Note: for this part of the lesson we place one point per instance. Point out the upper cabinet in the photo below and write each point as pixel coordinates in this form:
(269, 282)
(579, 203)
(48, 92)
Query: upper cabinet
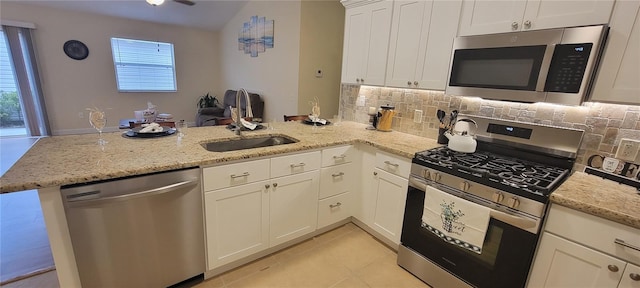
(422, 34)
(619, 76)
(492, 16)
(366, 41)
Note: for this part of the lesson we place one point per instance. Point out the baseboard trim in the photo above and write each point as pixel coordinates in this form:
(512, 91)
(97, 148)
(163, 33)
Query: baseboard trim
(28, 275)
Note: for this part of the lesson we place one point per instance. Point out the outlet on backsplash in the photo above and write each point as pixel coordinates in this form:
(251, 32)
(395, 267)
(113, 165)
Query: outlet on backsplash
(628, 150)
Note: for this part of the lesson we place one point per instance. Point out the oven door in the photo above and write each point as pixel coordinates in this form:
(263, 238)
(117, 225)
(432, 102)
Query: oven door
(507, 251)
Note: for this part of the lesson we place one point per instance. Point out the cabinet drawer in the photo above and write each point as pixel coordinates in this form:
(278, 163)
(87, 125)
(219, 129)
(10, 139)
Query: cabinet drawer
(334, 209)
(338, 155)
(336, 179)
(594, 232)
(224, 176)
(294, 164)
(394, 165)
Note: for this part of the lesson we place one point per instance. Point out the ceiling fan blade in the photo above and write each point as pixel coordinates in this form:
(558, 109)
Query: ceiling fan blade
(185, 2)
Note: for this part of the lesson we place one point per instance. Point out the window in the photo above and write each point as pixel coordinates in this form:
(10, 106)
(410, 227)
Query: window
(143, 65)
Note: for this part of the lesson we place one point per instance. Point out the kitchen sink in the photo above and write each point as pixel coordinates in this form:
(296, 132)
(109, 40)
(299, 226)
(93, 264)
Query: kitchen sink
(247, 143)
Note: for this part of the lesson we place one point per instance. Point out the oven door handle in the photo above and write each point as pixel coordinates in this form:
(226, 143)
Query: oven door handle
(522, 223)
(519, 222)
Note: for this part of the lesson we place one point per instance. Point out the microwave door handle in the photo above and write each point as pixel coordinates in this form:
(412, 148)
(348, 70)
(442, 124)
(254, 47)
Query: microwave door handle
(544, 67)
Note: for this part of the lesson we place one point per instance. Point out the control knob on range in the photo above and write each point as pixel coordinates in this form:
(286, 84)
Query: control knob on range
(435, 176)
(513, 202)
(464, 186)
(497, 197)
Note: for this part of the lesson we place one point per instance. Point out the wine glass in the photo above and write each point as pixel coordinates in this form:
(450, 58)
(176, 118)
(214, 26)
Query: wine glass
(315, 113)
(98, 120)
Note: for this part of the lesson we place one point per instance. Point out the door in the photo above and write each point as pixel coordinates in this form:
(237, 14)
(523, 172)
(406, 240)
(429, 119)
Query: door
(293, 206)
(354, 51)
(366, 40)
(630, 277)
(545, 14)
(410, 27)
(562, 263)
(391, 191)
(237, 221)
(490, 16)
(617, 80)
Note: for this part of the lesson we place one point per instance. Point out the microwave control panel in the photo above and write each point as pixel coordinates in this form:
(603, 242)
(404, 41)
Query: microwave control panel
(567, 68)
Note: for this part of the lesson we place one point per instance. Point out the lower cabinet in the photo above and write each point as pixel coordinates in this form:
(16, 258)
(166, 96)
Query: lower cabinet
(390, 193)
(237, 221)
(581, 250)
(293, 204)
(568, 264)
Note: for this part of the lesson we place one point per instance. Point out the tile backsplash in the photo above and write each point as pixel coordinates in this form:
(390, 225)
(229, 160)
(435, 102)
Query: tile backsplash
(604, 124)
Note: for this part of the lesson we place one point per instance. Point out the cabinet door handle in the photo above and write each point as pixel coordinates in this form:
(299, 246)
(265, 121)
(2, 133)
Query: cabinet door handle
(297, 165)
(527, 24)
(267, 186)
(234, 176)
(613, 268)
(634, 276)
(338, 174)
(514, 25)
(391, 164)
(275, 185)
(409, 83)
(415, 83)
(339, 157)
(625, 244)
(375, 173)
(335, 205)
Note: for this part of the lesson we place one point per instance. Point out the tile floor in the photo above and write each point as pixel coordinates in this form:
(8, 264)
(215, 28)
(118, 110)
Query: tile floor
(344, 257)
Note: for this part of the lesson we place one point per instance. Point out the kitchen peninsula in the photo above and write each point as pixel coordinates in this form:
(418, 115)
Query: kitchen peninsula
(62, 160)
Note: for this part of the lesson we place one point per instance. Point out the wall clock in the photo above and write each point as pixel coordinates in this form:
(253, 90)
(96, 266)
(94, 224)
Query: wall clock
(75, 49)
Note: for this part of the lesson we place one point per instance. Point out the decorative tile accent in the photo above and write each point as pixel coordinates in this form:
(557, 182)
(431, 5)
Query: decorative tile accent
(604, 124)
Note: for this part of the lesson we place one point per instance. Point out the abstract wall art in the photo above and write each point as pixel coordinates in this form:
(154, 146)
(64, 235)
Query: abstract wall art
(256, 36)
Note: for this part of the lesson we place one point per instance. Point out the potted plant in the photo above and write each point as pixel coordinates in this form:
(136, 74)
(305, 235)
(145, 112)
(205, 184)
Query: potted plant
(207, 101)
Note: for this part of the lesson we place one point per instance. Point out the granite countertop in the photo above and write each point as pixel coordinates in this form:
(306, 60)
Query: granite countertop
(600, 197)
(62, 160)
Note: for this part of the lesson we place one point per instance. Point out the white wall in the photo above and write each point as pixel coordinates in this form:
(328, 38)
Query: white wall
(70, 86)
(274, 73)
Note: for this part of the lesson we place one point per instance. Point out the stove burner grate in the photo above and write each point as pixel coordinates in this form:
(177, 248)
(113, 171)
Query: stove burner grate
(518, 173)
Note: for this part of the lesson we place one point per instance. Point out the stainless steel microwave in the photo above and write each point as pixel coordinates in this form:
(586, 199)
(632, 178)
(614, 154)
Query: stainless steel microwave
(553, 65)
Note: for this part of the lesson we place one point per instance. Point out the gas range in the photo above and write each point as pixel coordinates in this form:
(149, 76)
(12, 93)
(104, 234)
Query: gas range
(515, 167)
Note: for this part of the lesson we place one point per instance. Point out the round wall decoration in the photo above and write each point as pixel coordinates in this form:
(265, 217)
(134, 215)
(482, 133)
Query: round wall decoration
(75, 49)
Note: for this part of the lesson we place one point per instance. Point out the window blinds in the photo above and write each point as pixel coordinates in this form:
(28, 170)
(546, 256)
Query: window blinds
(143, 65)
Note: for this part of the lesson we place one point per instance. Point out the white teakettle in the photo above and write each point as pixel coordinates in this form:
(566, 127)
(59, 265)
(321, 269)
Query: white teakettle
(462, 142)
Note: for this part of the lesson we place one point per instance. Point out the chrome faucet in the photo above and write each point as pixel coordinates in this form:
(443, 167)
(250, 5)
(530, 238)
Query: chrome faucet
(248, 112)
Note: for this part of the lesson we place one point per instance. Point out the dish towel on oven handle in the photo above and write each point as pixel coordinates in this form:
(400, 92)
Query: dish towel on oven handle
(455, 220)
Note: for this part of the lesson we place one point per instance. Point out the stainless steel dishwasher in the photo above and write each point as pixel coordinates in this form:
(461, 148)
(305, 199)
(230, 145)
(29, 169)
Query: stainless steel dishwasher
(144, 231)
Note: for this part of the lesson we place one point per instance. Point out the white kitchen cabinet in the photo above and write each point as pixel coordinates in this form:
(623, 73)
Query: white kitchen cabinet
(422, 34)
(293, 204)
(365, 198)
(618, 78)
(569, 264)
(390, 189)
(338, 178)
(498, 16)
(581, 250)
(237, 221)
(366, 41)
(390, 193)
(630, 277)
(254, 205)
